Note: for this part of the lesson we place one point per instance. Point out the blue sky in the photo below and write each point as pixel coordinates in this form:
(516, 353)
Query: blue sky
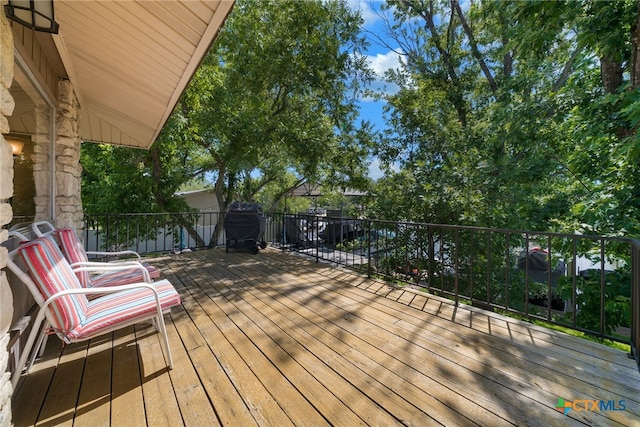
(380, 60)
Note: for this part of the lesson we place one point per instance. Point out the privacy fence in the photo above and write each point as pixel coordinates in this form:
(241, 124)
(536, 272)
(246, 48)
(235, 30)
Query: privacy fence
(586, 283)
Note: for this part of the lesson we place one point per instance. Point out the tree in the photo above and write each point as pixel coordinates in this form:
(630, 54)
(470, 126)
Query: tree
(274, 98)
(605, 122)
(127, 180)
(277, 94)
(508, 112)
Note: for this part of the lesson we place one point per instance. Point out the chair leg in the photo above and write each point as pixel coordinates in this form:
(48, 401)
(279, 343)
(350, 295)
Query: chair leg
(43, 344)
(163, 331)
(35, 330)
(38, 350)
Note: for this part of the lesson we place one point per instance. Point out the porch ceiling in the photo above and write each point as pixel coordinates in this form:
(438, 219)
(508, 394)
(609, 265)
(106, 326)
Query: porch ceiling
(131, 60)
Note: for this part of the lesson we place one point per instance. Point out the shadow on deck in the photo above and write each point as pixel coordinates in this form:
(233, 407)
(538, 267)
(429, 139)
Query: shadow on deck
(275, 339)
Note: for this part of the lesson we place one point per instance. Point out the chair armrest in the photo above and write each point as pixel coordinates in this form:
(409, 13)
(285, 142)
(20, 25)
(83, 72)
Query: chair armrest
(115, 254)
(43, 228)
(102, 291)
(101, 267)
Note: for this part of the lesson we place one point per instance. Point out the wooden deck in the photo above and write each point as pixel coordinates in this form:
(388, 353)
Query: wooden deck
(275, 339)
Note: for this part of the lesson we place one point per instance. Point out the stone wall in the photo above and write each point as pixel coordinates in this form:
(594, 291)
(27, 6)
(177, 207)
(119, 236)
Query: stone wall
(68, 204)
(68, 170)
(6, 191)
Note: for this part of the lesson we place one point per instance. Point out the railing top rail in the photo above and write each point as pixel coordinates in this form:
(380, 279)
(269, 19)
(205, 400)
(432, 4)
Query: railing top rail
(633, 240)
(484, 229)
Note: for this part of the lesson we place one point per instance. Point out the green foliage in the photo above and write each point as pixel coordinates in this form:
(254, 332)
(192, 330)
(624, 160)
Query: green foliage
(614, 295)
(513, 114)
(275, 96)
(273, 103)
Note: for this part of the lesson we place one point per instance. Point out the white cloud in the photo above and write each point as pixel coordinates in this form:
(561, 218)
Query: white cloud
(367, 10)
(381, 62)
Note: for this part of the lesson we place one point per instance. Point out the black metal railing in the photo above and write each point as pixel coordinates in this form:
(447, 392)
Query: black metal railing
(635, 301)
(586, 283)
(152, 232)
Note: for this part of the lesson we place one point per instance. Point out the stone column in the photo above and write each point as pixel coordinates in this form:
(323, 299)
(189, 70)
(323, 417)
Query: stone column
(41, 165)
(6, 191)
(68, 170)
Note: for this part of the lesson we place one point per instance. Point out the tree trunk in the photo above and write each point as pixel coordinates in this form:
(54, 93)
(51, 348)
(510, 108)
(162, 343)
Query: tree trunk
(185, 223)
(455, 5)
(161, 200)
(635, 51)
(610, 73)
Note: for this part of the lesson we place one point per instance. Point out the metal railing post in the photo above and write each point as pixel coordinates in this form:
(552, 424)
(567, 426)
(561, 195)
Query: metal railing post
(635, 301)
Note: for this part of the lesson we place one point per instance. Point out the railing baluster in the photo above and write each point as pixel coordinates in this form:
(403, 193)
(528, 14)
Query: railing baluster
(418, 253)
(602, 288)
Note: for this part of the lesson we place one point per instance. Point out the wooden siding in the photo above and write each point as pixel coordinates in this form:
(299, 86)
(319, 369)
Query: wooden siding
(130, 61)
(275, 339)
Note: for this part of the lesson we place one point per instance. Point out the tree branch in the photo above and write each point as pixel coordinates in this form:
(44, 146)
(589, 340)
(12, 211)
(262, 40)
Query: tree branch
(427, 16)
(562, 79)
(474, 46)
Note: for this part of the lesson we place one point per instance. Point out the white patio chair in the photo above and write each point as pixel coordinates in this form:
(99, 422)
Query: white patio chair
(77, 256)
(66, 309)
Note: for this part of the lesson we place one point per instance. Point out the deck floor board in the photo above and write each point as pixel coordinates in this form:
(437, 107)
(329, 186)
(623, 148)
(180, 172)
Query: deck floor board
(277, 339)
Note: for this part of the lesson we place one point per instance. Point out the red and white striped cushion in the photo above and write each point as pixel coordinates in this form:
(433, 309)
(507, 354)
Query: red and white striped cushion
(74, 252)
(125, 306)
(52, 274)
(76, 317)
(115, 278)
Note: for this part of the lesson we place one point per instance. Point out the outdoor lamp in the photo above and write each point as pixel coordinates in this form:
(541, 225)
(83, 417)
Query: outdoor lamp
(35, 14)
(16, 145)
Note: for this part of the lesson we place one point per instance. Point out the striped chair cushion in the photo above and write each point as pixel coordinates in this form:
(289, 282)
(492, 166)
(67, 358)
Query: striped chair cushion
(74, 252)
(154, 273)
(52, 274)
(125, 306)
(122, 277)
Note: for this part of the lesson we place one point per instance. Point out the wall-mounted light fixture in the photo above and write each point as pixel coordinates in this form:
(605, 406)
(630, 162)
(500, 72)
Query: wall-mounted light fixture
(35, 14)
(17, 143)
(16, 146)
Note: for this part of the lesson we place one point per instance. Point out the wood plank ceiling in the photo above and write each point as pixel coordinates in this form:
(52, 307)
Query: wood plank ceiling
(131, 60)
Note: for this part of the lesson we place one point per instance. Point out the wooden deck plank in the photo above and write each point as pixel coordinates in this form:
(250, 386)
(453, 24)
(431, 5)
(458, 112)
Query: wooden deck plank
(505, 380)
(391, 349)
(94, 401)
(550, 400)
(127, 402)
(226, 400)
(367, 375)
(195, 406)
(312, 376)
(273, 339)
(32, 393)
(255, 395)
(251, 343)
(157, 390)
(59, 407)
(557, 375)
(600, 357)
(570, 351)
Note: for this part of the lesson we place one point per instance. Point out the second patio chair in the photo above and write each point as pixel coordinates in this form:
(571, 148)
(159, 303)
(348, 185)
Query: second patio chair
(113, 274)
(75, 253)
(66, 309)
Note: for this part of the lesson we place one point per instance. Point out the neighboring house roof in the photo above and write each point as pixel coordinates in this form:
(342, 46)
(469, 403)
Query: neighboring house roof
(205, 191)
(130, 61)
(203, 200)
(308, 189)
